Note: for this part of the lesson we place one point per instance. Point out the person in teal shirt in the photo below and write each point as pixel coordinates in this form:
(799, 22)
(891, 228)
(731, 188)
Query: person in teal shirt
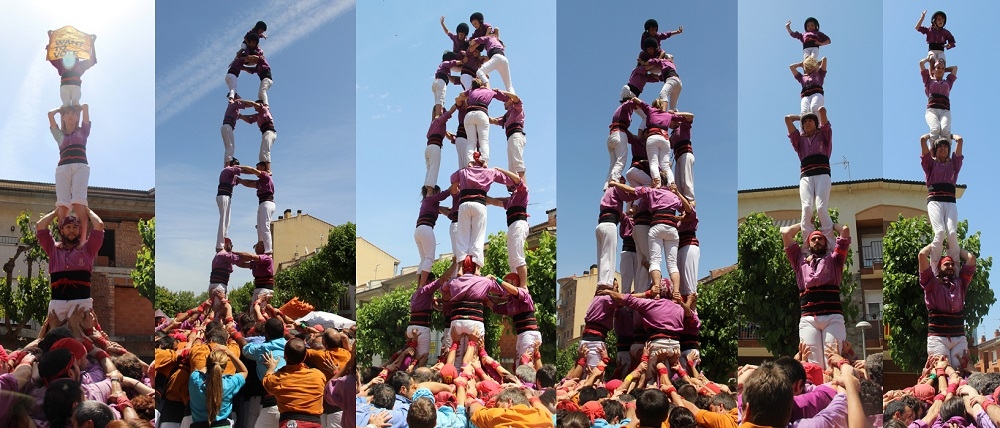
(212, 391)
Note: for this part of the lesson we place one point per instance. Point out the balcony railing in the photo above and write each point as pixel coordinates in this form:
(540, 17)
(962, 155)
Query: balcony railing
(748, 331)
(9, 240)
(871, 254)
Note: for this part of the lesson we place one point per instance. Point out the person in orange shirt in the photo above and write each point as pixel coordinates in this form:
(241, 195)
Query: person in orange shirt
(514, 409)
(216, 337)
(767, 398)
(335, 346)
(297, 388)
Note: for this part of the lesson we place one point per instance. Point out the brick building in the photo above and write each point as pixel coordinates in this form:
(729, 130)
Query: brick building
(125, 315)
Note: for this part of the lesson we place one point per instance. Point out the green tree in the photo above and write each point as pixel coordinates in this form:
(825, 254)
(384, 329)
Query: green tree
(382, 324)
(239, 298)
(144, 274)
(25, 298)
(768, 293)
(718, 331)
(324, 278)
(173, 302)
(905, 312)
(542, 285)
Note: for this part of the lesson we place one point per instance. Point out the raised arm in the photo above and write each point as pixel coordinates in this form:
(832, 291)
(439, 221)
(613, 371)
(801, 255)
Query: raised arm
(497, 202)
(790, 123)
(445, 27)
(622, 186)
(923, 63)
(788, 27)
(970, 259)
(958, 144)
(788, 234)
(920, 22)
(684, 201)
(822, 64)
(923, 262)
(822, 116)
(924, 150)
(95, 220)
(52, 118)
(953, 70)
(512, 176)
(513, 97)
(86, 113)
(45, 221)
(845, 231)
(688, 117)
(795, 68)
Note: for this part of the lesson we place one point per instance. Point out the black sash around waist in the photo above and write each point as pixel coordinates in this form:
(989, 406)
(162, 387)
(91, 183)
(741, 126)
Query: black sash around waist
(935, 46)
(609, 215)
(225, 189)
(73, 153)
(642, 164)
(229, 120)
(940, 101)
(267, 126)
(655, 334)
(435, 139)
(810, 43)
(516, 214)
(427, 220)
(941, 192)
(689, 341)
(421, 318)
(624, 344)
(643, 218)
(667, 217)
(635, 89)
(688, 237)
(525, 321)
(628, 244)
(821, 300)
(813, 165)
(460, 132)
(265, 197)
(70, 77)
(668, 73)
(945, 324)
(221, 422)
(453, 216)
(618, 127)
(298, 416)
(494, 51)
(514, 128)
(70, 285)
(467, 310)
(477, 107)
(682, 148)
(442, 76)
(219, 276)
(473, 195)
(594, 332)
(640, 335)
(264, 282)
(808, 90)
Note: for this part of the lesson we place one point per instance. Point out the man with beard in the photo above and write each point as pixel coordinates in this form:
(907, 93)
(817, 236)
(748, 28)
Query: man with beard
(70, 264)
(818, 273)
(944, 295)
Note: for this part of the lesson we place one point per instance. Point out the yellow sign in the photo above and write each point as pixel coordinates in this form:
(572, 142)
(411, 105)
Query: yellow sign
(68, 39)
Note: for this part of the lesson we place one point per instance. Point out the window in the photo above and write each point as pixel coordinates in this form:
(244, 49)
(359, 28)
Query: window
(108, 247)
(874, 311)
(871, 250)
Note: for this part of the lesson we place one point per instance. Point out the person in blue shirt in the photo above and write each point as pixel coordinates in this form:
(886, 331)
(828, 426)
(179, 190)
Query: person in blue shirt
(274, 343)
(212, 392)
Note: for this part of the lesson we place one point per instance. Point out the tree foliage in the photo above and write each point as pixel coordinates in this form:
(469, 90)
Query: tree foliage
(324, 278)
(173, 302)
(768, 294)
(382, 324)
(719, 346)
(25, 297)
(144, 274)
(905, 312)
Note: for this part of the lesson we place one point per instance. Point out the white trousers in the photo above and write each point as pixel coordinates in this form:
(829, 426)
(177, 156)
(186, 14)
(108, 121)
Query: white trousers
(432, 158)
(687, 261)
(264, 213)
(955, 348)
(426, 243)
(811, 103)
(470, 327)
(423, 340)
(266, 141)
(70, 95)
(466, 80)
(217, 286)
(258, 291)
(672, 346)
(515, 152)
(685, 175)
(671, 91)
(617, 151)
(638, 177)
(626, 94)
(663, 240)
(231, 84)
(658, 150)
(265, 84)
(814, 195)
(453, 233)
(71, 184)
(818, 331)
(627, 266)
(500, 64)
(517, 234)
(607, 246)
(526, 341)
(944, 222)
(640, 233)
(477, 126)
(806, 52)
(684, 358)
(593, 348)
(332, 420)
(471, 234)
(938, 55)
(439, 88)
(939, 122)
(64, 308)
(228, 143)
(268, 417)
(225, 205)
(464, 155)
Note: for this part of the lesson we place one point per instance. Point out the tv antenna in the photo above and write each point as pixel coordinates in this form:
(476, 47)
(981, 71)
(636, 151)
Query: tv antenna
(847, 165)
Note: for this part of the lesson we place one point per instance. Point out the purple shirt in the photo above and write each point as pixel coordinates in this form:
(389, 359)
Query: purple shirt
(263, 118)
(233, 112)
(457, 44)
(473, 288)
(261, 268)
(430, 204)
(623, 114)
(456, 200)
(932, 86)
(659, 199)
(623, 322)
(224, 261)
(514, 117)
(825, 270)
(638, 147)
(613, 199)
(656, 117)
(692, 325)
(941, 172)
(812, 79)
(519, 198)
(80, 258)
(601, 311)
(478, 178)
(423, 297)
(76, 138)
(658, 314)
(265, 185)
(480, 96)
(625, 227)
(663, 64)
(516, 304)
(937, 35)
(340, 392)
(810, 36)
(8, 388)
(640, 77)
(229, 175)
(439, 126)
(809, 404)
(484, 29)
(818, 143)
(832, 416)
(489, 42)
(680, 134)
(659, 37)
(445, 68)
(689, 222)
(943, 297)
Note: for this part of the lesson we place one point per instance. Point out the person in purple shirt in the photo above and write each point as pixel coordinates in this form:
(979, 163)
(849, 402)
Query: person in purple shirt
(680, 144)
(442, 76)
(941, 175)
(436, 133)
(424, 234)
(638, 172)
(71, 69)
(812, 39)
(482, 27)
(607, 231)
(265, 198)
(222, 268)
(459, 39)
(944, 295)
(658, 122)
(519, 305)
(497, 59)
(73, 171)
(421, 308)
(818, 273)
(938, 39)
(672, 86)
(472, 183)
(663, 318)
(477, 119)
(262, 267)
(629, 262)
(938, 91)
(811, 78)
(813, 145)
(513, 123)
(688, 255)
(598, 320)
(246, 60)
(467, 294)
(452, 213)
(652, 29)
(641, 74)
(229, 124)
(71, 262)
(227, 180)
(268, 134)
(618, 139)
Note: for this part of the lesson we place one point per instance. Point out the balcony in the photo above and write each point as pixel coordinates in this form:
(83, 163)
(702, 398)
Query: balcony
(871, 255)
(9, 240)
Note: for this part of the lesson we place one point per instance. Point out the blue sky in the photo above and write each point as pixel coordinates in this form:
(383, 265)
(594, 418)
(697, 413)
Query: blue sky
(768, 92)
(595, 60)
(310, 47)
(971, 111)
(397, 56)
(119, 90)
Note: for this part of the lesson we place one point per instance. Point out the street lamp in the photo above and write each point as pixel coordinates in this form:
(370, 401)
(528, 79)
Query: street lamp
(863, 325)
